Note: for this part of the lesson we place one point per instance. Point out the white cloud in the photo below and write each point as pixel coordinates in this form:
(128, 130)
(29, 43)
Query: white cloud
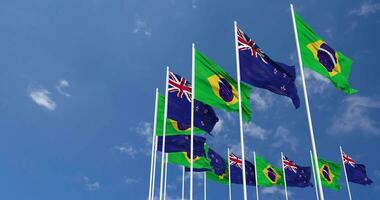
(142, 27)
(127, 149)
(256, 131)
(366, 8)
(262, 100)
(62, 84)
(316, 83)
(218, 127)
(41, 97)
(91, 185)
(146, 130)
(129, 180)
(283, 137)
(356, 116)
(275, 191)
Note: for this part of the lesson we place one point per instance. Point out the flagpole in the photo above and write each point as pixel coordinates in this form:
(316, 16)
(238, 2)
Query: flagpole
(283, 171)
(257, 183)
(229, 175)
(183, 182)
(154, 166)
(315, 180)
(166, 174)
(240, 112)
(345, 173)
(192, 119)
(204, 186)
(164, 133)
(153, 141)
(315, 156)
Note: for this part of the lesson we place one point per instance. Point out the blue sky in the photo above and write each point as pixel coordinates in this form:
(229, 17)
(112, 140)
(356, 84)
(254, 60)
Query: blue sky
(77, 88)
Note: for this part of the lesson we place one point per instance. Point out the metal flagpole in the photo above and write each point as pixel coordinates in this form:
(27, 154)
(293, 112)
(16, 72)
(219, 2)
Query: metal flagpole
(345, 173)
(257, 183)
(315, 156)
(166, 174)
(154, 166)
(183, 183)
(283, 171)
(153, 141)
(229, 175)
(164, 133)
(192, 119)
(315, 180)
(204, 186)
(240, 112)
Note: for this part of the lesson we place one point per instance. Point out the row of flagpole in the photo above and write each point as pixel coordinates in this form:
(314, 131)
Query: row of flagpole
(162, 191)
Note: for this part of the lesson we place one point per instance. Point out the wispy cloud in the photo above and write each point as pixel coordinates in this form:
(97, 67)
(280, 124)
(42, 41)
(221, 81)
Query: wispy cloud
(329, 33)
(284, 138)
(356, 116)
(91, 185)
(130, 180)
(141, 27)
(62, 85)
(42, 98)
(366, 8)
(146, 130)
(127, 149)
(316, 83)
(275, 191)
(262, 100)
(218, 126)
(256, 131)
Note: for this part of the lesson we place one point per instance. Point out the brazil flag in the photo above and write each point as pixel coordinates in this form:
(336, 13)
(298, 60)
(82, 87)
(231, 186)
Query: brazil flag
(217, 88)
(330, 174)
(172, 127)
(183, 159)
(267, 175)
(322, 58)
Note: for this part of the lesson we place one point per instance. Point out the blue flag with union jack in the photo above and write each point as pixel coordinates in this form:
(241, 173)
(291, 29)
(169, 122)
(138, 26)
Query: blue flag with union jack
(259, 70)
(179, 105)
(181, 143)
(356, 173)
(295, 175)
(236, 170)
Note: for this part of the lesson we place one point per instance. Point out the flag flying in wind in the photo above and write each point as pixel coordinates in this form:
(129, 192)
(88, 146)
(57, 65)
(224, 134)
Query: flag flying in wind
(330, 174)
(179, 105)
(356, 173)
(259, 70)
(181, 143)
(172, 127)
(200, 161)
(322, 58)
(219, 172)
(267, 175)
(217, 88)
(236, 170)
(296, 176)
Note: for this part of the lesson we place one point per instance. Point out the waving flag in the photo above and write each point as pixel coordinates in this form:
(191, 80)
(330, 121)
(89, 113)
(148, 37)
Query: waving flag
(267, 175)
(172, 127)
(236, 170)
(259, 70)
(219, 172)
(217, 88)
(318, 56)
(181, 143)
(183, 159)
(356, 173)
(179, 105)
(296, 176)
(330, 174)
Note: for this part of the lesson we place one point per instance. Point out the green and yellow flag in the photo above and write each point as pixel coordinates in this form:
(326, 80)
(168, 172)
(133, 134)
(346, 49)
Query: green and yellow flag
(183, 159)
(222, 179)
(172, 127)
(323, 59)
(330, 174)
(267, 175)
(215, 87)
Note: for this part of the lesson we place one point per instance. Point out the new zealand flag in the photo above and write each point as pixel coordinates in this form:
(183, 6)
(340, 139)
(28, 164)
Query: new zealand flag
(217, 162)
(296, 176)
(181, 143)
(236, 169)
(356, 173)
(257, 69)
(179, 105)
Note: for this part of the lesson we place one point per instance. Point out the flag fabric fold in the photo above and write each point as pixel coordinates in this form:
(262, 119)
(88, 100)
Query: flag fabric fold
(330, 173)
(217, 88)
(181, 143)
(259, 70)
(318, 56)
(267, 175)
